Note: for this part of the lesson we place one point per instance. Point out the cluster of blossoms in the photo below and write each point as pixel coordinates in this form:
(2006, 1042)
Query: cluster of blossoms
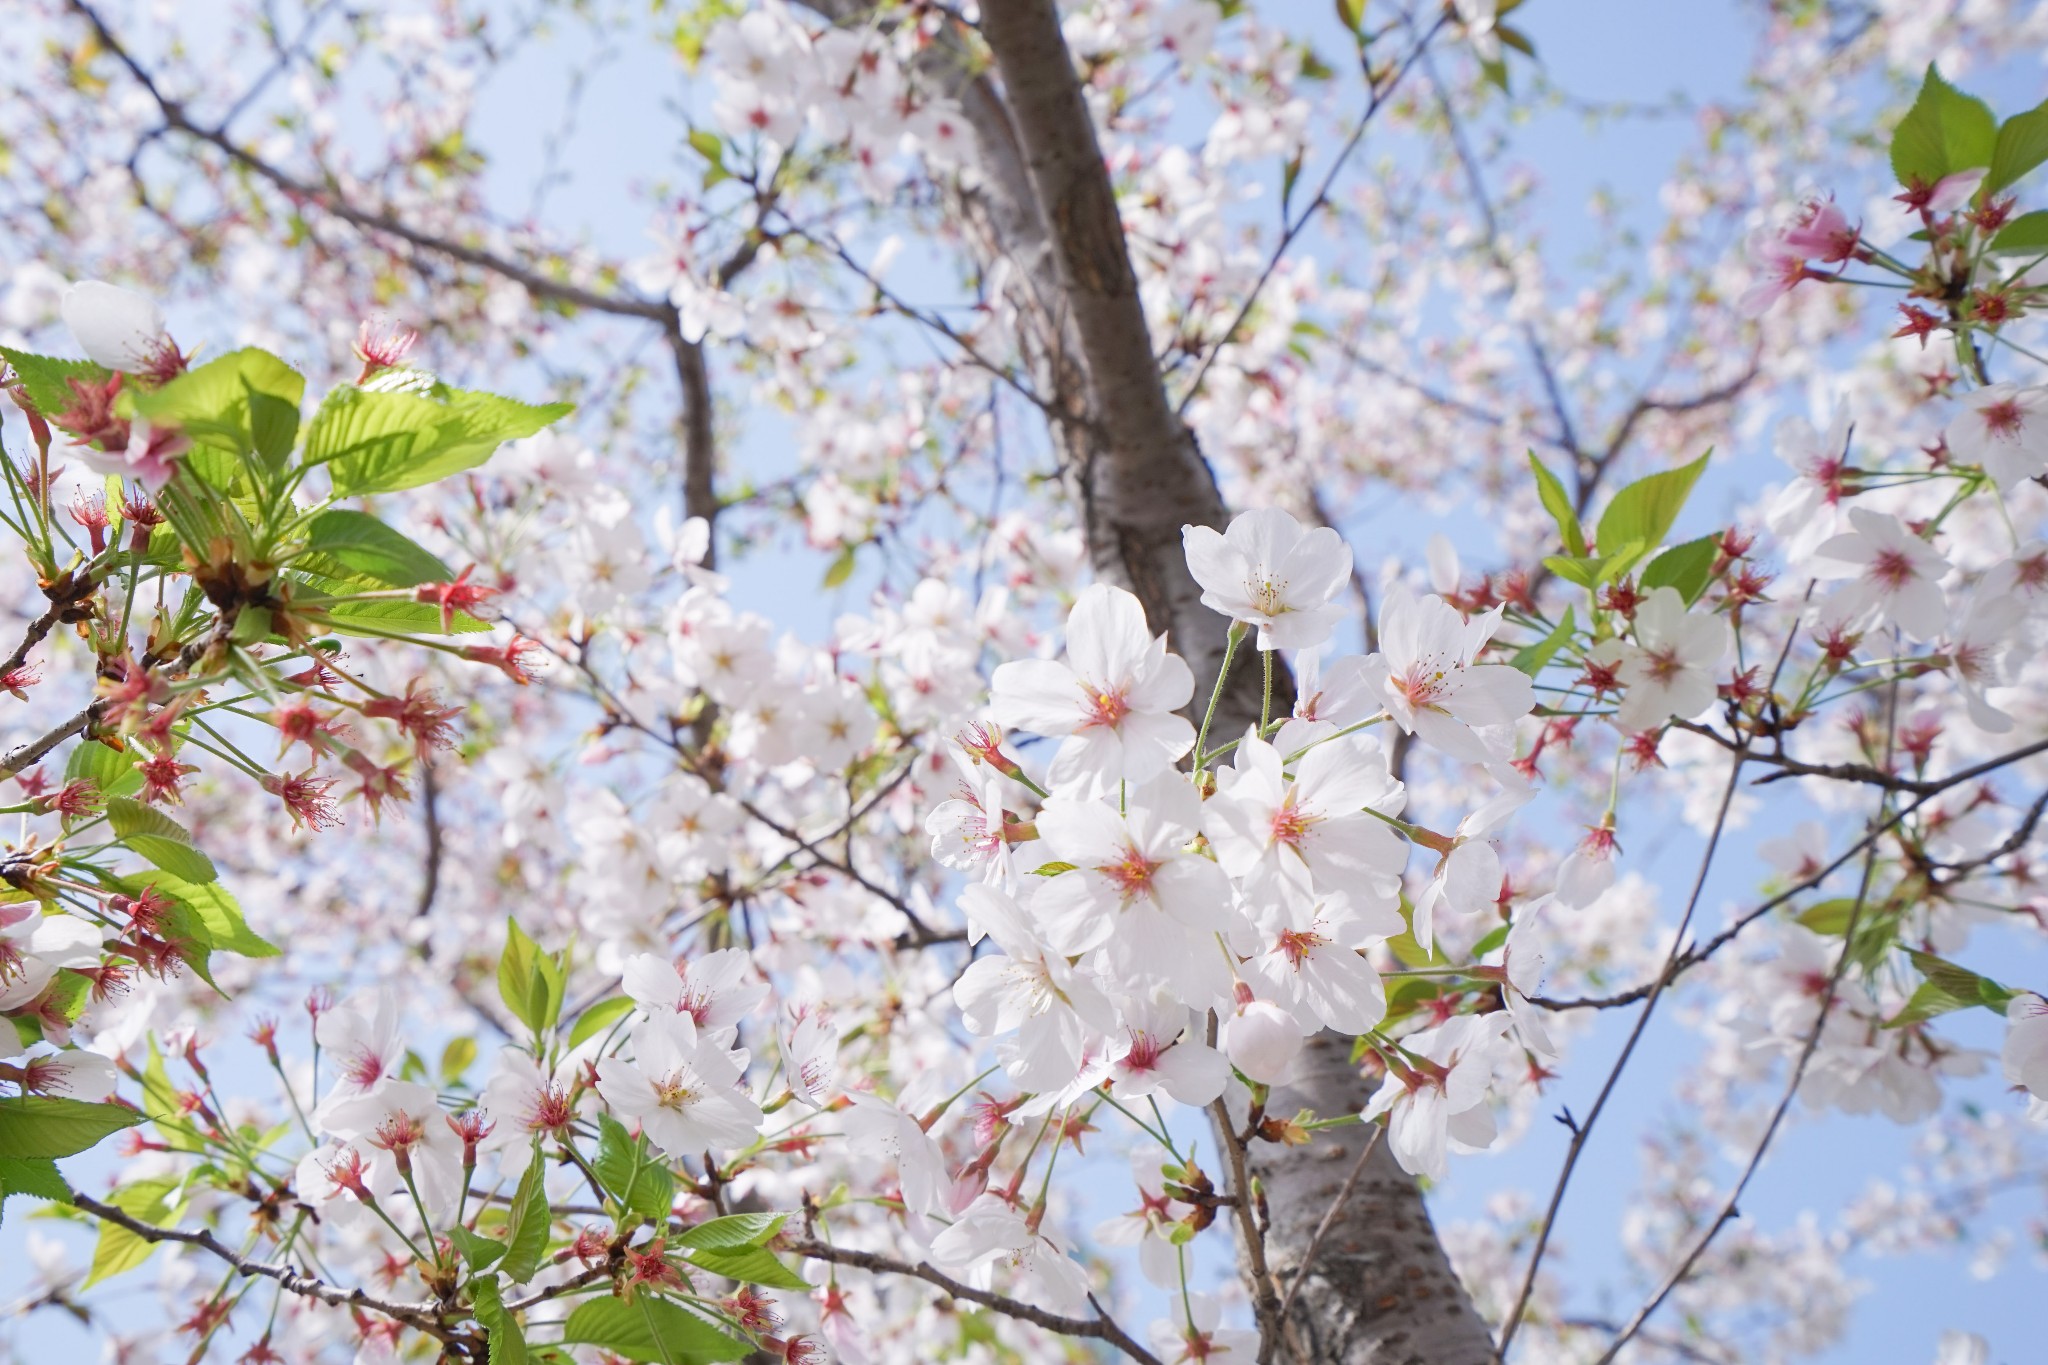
(1167, 897)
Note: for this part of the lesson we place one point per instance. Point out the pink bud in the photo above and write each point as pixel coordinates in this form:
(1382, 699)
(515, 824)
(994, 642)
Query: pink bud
(1261, 1040)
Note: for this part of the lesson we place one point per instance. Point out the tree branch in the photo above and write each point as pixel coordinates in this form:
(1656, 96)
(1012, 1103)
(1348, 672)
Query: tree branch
(424, 1317)
(1099, 1328)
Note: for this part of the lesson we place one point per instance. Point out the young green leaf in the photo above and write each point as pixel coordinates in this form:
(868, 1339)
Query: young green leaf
(118, 1249)
(383, 442)
(113, 773)
(1686, 567)
(160, 839)
(244, 401)
(529, 1222)
(1944, 132)
(2022, 145)
(48, 379)
(750, 1265)
(2026, 235)
(215, 906)
(36, 1177)
(1531, 659)
(597, 1018)
(1643, 512)
(481, 1252)
(508, 1341)
(1558, 503)
(341, 542)
(529, 981)
(652, 1330)
(631, 1172)
(35, 1126)
(734, 1230)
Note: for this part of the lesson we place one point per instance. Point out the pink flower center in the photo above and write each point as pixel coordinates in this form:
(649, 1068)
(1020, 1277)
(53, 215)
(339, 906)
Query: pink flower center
(364, 1069)
(1664, 664)
(1291, 825)
(674, 1091)
(2002, 419)
(1300, 945)
(1892, 569)
(1421, 685)
(1105, 708)
(1144, 1053)
(1132, 876)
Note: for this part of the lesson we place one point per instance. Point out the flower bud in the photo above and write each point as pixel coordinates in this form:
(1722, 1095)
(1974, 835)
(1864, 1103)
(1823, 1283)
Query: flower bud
(1261, 1040)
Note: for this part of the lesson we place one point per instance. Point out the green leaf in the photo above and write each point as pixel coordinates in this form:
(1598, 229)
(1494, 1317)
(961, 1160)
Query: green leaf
(841, 567)
(1948, 988)
(529, 981)
(629, 1169)
(457, 1056)
(246, 400)
(216, 907)
(598, 1018)
(1944, 132)
(377, 616)
(118, 1249)
(39, 1127)
(508, 1341)
(1643, 512)
(530, 1222)
(733, 1231)
(750, 1265)
(1531, 659)
(1828, 918)
(1585, 572)
(708, 145)
(47, 378)
(160, 1099)
(1351, 14)
(652, 1330)
(2022, 145)
(1051, 869)
(382, 442)
(1686, 567)
(113, 773)
(36, 1177)
(342, 542)
(2025, 235)
(160, 839)
(481, 1252)
(1494, 938)
(1558, 503)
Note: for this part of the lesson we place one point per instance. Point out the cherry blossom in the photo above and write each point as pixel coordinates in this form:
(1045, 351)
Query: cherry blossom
(989, 1234)
(1287, 841)
(1896, 576)
(1031, 991)
(1427, 672)
(1441, 1100)
(1267, 570)
(2004, 428)
(1672, 665)
(680, 1087)
(1114, 699)
(118, 328)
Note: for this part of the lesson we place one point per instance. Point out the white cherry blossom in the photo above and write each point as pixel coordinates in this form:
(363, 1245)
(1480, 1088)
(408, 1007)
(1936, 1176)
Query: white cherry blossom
(1267, 570)
(1112, 702)
(1428, 678)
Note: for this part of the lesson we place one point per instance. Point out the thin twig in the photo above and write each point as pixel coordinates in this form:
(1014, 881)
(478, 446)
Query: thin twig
(1582, 1131)
(1099, 1328)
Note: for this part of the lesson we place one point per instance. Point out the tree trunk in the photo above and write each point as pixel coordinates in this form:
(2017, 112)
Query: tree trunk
(1380, 1290)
